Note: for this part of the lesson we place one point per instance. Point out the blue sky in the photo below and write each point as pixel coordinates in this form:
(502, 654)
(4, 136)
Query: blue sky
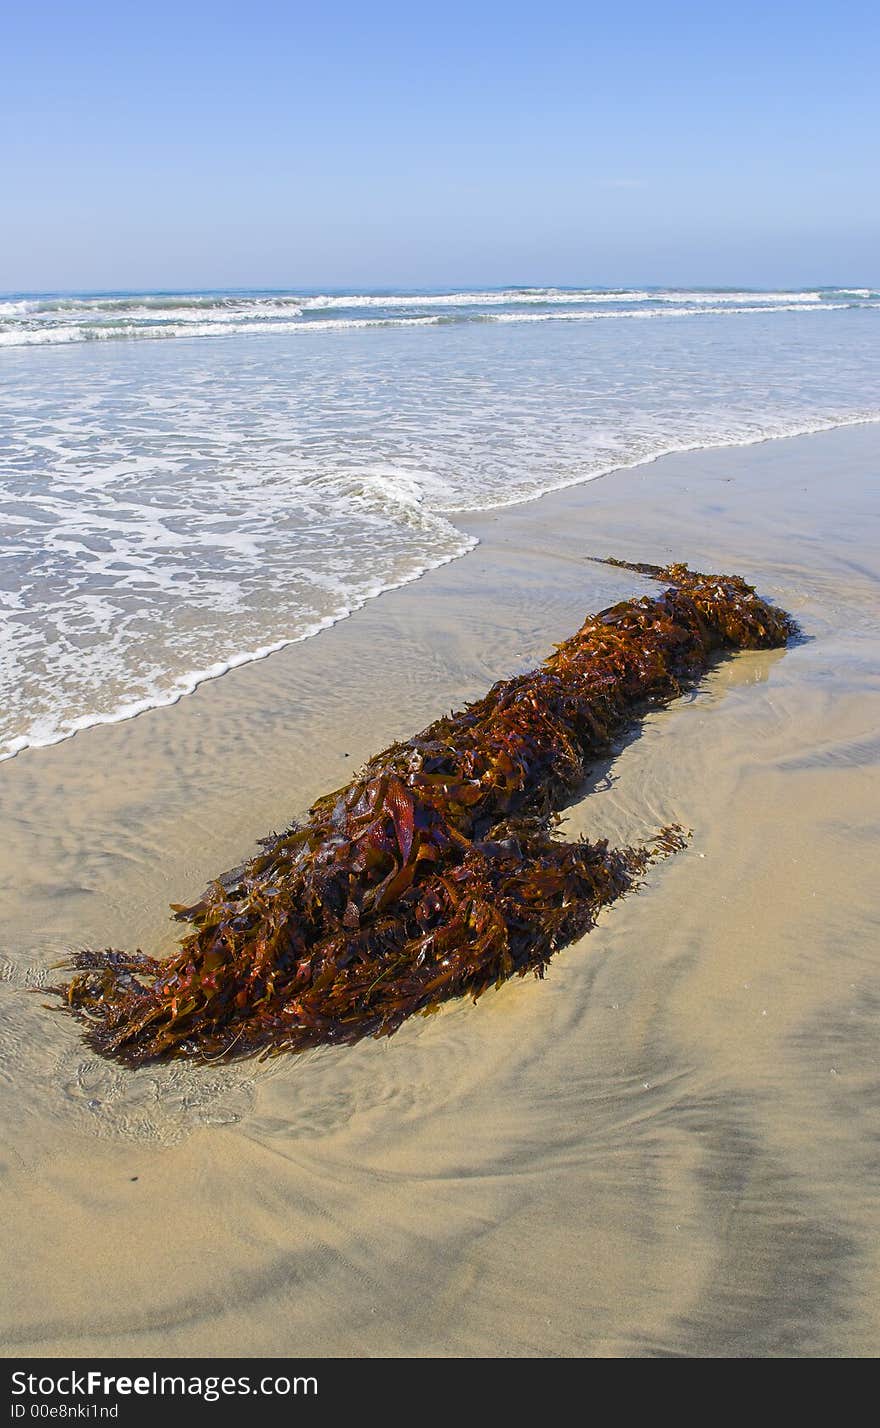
(268, 144)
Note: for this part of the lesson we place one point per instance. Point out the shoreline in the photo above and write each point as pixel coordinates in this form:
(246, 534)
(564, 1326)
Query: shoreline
(194, 680)
(663, 1148)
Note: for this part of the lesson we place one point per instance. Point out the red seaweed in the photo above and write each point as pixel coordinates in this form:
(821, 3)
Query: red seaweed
(434, 873)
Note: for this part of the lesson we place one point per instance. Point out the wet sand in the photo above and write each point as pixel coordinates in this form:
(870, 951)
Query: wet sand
(668, 1147)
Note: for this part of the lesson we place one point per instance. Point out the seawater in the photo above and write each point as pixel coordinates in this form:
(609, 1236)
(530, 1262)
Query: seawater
(190, 481)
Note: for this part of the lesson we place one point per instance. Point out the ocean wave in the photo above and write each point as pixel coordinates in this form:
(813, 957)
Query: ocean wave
(662, 313)
(489, 298)
(154, 302)
(181, 312)
(34, 320)
(509, 297)
(252, 301)
(49, 336)
(687, 295)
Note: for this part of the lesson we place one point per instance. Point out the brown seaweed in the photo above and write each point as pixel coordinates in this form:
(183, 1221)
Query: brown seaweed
(435, 872)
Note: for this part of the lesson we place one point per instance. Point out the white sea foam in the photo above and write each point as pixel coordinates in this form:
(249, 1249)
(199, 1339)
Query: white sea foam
(666, 312)
(41, 337)
(548, 296)
(492, 298)
(46, 733)
(217, 327)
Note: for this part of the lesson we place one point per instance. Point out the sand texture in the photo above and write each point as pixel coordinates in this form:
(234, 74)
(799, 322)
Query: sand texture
(668, 1147)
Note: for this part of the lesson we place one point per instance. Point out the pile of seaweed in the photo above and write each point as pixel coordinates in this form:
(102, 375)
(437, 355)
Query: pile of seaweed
(434, 873)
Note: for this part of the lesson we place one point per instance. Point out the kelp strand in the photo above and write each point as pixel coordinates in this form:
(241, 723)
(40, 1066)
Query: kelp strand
(434, 873)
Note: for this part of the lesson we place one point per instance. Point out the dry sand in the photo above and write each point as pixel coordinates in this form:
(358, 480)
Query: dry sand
(666, 1148)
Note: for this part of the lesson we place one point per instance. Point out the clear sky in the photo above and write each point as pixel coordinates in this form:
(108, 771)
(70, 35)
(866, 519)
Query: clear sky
(259, 143)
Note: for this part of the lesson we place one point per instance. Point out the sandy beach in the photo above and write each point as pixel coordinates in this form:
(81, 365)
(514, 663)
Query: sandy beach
(666, 1148)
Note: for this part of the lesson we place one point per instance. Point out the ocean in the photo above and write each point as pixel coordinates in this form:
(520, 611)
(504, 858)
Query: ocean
(191, 481)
